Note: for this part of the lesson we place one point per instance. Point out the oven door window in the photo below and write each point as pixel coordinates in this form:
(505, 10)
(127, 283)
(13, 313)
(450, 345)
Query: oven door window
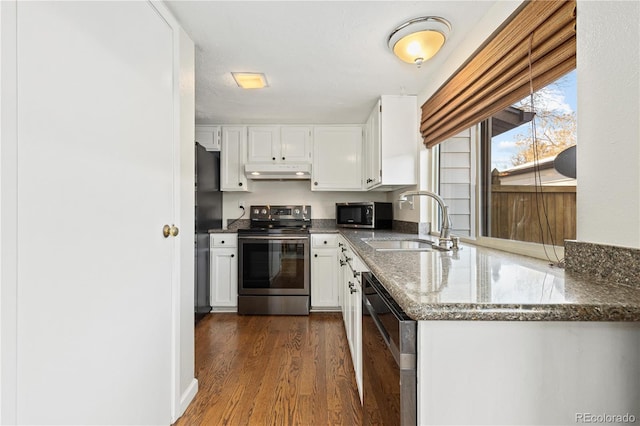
(274, 267)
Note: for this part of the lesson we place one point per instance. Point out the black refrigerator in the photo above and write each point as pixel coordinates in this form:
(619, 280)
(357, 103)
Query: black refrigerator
(208, 215)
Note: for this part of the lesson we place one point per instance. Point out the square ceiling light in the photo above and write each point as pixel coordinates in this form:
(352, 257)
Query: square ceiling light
(250, 80)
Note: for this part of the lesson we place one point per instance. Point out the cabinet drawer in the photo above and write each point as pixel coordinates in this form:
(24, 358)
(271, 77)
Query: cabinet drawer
(224, 240)
(324, 241)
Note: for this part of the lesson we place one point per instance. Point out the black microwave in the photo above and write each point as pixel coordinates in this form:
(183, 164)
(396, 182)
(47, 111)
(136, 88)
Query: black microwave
(369, 214)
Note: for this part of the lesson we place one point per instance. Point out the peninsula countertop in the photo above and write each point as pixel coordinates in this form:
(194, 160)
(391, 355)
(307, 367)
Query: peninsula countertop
(477, 283)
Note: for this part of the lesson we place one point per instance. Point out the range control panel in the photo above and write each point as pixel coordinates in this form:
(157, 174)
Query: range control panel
(275, 213)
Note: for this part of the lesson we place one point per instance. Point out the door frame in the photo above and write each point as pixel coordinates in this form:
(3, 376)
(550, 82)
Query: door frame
(181, 279)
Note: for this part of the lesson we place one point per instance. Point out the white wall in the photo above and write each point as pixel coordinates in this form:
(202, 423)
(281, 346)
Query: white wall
(608, 199)
(187, 384)
(292, 192)
(8, 215)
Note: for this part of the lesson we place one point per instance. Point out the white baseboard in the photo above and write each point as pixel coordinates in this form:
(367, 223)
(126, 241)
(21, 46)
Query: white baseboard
(187, 396)
(326, 309)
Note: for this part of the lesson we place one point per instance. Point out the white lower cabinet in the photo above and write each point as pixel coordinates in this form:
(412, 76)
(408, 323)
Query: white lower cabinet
(558, 368)
(351, 269)
(224, 272)
(324, 272)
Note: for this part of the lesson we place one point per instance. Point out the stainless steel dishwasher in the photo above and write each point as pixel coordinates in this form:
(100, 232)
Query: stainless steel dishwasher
(389, 358)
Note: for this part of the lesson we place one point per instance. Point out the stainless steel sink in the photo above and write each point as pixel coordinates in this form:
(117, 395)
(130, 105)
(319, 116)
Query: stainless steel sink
(401, 245)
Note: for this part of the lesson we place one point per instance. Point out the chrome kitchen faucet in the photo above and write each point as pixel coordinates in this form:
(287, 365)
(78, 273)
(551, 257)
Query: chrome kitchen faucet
(445, 240)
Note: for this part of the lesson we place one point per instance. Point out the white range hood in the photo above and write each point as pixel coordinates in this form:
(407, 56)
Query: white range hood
(278, 171)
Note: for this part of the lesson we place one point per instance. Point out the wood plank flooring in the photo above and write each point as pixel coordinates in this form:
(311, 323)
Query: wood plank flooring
(273, 370)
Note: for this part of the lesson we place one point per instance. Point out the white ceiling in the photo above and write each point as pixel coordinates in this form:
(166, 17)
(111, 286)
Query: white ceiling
(325, 61)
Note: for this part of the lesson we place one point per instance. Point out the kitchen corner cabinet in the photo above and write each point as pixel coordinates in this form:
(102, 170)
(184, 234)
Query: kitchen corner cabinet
(279, 144)
(391, 148)
(209, 137)
(337, 158)
(224, 271)
(324, 272)
(232, 159)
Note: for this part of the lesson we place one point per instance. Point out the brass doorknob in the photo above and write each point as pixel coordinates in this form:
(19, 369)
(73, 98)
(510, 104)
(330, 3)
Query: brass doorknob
(170, 230)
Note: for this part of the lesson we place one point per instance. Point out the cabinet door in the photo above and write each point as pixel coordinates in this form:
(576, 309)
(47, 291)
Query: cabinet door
(224, 278)
(295, 143)
(373, 165)
(399, 144)
(234, 141)
(263, 145)
(324, 278)
(337, 158)
(208, 137)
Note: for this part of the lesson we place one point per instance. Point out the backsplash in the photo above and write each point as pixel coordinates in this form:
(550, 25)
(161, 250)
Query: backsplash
(617, 264)
(323, 203)
(238, 224)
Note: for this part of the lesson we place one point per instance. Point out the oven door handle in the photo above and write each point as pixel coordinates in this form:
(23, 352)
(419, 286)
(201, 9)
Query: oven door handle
(273, 237)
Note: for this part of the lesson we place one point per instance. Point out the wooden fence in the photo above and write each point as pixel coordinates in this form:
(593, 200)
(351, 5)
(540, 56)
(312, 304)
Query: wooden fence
(518, 213)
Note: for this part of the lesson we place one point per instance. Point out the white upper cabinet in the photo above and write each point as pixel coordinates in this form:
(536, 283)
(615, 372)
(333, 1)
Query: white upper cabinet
(337, 158)
(295, 144)
(391, 149)
(232, 159)
(263, 145)
(209, 137)
(372, 162)
(279, 144)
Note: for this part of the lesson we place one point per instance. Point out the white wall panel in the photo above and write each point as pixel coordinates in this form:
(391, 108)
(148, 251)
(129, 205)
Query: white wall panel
(609, 129)
(526, 372)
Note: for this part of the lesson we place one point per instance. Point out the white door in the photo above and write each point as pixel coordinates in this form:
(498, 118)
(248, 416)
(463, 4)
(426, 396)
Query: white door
(94, 172)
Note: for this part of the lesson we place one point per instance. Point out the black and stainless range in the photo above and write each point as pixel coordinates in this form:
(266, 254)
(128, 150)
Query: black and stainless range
(273, 267)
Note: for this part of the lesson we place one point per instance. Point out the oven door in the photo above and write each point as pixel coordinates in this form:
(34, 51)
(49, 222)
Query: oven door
(273, 265)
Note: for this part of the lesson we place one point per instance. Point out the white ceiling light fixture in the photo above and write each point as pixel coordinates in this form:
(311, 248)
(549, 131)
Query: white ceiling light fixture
(250, 80)
(419, 39)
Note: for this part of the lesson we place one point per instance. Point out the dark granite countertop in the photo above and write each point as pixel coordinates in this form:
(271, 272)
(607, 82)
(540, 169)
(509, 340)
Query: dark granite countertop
(477, 283)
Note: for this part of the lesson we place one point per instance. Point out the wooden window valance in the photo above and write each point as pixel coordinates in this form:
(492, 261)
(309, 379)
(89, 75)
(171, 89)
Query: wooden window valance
(497, 75)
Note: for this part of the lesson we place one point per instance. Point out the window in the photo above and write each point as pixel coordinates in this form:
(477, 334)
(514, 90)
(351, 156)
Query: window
(487, 99)
(528, 167)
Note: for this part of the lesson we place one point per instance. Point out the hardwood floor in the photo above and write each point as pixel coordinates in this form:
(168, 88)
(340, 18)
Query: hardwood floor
(273, 370)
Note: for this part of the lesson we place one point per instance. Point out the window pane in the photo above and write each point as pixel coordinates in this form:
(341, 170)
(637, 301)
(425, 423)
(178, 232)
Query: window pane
(530, 147)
